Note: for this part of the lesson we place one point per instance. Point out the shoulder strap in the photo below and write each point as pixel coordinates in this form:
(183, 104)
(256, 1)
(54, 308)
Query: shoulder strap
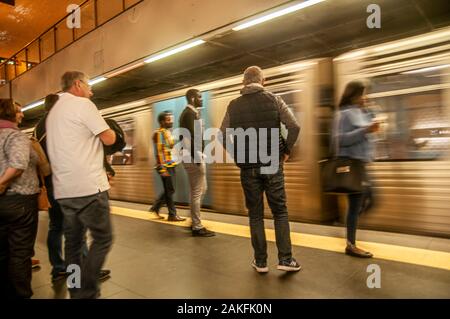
(337, 120)
(42, 137)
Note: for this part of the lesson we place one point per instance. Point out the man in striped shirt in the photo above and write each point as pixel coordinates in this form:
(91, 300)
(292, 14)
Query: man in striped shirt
(165, 166)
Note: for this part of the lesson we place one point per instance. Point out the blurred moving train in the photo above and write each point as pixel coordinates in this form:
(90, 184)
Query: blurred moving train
(409, 90)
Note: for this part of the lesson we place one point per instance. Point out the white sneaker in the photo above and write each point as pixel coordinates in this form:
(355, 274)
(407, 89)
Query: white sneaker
(260, 267)
(289, 265)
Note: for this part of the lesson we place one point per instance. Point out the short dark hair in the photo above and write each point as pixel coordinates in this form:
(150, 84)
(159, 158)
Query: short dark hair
(7, 110)
(191, 93)
(353, 90)
(50, 100)
(162, 116)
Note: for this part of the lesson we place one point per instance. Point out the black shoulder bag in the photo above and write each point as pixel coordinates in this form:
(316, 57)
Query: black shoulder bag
(342, 175)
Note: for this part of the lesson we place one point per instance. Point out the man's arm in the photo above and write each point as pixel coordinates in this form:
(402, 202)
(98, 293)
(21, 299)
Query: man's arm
(189, 123)
(288, 119)
(9, 175)
(223, 129)
(18, 150)
(107, 137)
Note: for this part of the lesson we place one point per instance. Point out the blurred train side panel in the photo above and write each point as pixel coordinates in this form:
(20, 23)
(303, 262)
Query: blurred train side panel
(410, 92)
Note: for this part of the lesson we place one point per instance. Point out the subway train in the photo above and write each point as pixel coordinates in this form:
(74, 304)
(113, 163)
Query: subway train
(409, 91)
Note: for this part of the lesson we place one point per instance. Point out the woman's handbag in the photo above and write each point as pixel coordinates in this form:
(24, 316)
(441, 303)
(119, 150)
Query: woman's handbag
(342, 175)
(43, 163)
(43, 202)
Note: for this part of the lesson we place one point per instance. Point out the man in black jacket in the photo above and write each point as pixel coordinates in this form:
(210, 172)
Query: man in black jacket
(195, 167)
(257, 111)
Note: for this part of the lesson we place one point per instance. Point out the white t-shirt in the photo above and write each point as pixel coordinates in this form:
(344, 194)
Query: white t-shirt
(74, 149)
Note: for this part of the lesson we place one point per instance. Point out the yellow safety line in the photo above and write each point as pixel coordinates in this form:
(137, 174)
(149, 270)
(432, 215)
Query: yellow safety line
(417, 256)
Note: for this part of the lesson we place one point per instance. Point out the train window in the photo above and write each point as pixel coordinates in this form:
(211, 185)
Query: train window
(414, 116)
(125, 157)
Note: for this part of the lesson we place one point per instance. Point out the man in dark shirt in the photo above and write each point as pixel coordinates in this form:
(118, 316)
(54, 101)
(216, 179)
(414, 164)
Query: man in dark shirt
(258, 110)
(191, 120)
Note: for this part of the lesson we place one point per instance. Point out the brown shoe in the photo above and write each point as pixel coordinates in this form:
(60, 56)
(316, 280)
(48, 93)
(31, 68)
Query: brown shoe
(175, 218)
(157, 215)
(35, 264)
(352, 250)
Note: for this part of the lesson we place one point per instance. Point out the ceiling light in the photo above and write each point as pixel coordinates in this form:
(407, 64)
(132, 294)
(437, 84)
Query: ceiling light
(351, 55)
(97, 80)
(162, 55)
(33, 105)
(277, 14)
(129, 68)
(297, 66)
(423, 39)
(428, 69)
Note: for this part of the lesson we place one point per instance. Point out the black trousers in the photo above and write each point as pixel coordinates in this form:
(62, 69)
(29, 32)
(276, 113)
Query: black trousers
(82, 213)
(255, 185)
(167, 196)
(18, 229)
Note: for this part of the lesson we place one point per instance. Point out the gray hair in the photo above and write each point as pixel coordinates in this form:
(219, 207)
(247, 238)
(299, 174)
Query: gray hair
(68, 79)
(253, 74)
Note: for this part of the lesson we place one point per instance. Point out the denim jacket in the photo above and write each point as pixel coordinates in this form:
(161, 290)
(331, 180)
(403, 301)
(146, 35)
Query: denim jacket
(354, 141)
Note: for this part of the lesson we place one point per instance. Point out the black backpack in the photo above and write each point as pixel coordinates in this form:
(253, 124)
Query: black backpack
(120, 143)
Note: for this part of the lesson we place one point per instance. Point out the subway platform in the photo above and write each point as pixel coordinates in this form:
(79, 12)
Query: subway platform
(156, 259)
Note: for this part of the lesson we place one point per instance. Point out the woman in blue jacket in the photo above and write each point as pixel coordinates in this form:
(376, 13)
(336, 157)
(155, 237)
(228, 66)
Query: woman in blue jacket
(354, 126)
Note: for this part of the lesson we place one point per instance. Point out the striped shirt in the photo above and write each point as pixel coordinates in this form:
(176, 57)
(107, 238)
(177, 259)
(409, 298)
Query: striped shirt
(163, 142)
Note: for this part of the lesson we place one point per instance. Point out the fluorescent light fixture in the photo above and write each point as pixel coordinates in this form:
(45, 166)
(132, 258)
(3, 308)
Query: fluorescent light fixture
(289, 92)
(97, 80)
(297, 66)
(424, 39)
(351, 55)
(277, 14)
(428, 69)
(129, 68)
(33, 105)
(183, 47)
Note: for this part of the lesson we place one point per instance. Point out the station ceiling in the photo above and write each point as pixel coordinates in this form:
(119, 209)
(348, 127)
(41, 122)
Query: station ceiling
(26, 20)
(325, 30)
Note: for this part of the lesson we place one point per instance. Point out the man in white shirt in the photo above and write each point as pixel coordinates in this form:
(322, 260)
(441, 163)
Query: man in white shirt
(76, 133)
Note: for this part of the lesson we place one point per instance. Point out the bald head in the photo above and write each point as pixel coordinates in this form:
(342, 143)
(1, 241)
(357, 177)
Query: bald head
(253, 74)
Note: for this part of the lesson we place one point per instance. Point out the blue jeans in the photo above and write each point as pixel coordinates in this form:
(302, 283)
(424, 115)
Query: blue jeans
(255, 185)
(81, 213)
(56, 231)
(355, 202)
(358, 204)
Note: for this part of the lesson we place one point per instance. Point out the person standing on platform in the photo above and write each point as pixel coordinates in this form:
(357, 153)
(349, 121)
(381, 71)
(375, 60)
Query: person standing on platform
(19, 189)
(257, 109)
(76, 133)
(165, 166)
(353, 136)
(195, 167)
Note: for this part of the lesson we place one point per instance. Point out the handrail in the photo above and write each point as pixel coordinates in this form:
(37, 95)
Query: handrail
(38, 39)
(52, 27)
